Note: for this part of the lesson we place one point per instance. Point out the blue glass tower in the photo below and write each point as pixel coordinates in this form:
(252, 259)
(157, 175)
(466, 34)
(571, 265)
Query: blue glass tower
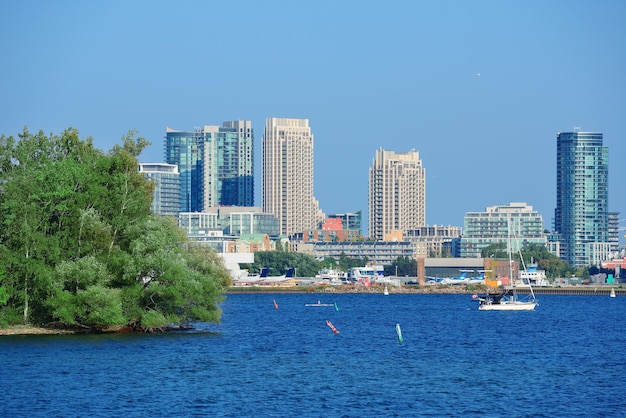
(215, 165)
(582, 195)
(186, 149)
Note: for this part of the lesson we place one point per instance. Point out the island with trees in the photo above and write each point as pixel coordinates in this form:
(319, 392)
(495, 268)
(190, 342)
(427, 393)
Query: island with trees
(80, 249)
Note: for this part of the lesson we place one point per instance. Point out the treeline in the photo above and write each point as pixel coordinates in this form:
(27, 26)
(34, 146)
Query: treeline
(79, 246)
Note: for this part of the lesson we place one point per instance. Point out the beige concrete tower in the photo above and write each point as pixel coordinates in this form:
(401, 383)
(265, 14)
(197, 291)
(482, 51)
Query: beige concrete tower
(287, 172)
(397, 193)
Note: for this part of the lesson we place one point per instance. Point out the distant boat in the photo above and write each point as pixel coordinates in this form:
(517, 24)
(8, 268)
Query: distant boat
(386, 291)
(319, 303)
(612, 293)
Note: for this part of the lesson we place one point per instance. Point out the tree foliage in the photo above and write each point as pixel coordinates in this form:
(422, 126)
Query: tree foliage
(406, 266)
(80, 247)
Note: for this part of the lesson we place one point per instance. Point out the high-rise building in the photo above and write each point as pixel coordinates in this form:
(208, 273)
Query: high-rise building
(287, 172)
(397, 193)
(166, 199)
(186, 150)
(215, 163)
(582, 194)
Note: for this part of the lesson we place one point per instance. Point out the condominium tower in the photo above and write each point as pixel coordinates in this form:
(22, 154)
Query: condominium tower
(397, 193)
(215, 165)
(287, 175)
(514, 225)
(582, 194)
(166, 197)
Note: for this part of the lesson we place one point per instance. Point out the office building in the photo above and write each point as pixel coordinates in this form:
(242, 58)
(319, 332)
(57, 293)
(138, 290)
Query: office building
(215, 165)
(166, 198)
(582, 194)
(287, 172)
(513, 225)
(397, 193)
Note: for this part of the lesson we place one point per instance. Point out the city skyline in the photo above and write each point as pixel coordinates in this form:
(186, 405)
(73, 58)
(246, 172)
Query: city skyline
(479, 89)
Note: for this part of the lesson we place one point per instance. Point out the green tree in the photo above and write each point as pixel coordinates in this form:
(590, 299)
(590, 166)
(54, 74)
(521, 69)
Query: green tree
(80, 246)
(406, 267)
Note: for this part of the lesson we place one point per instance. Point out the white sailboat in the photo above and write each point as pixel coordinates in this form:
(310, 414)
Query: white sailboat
(612, 294)
(386, 291)
(508, 300)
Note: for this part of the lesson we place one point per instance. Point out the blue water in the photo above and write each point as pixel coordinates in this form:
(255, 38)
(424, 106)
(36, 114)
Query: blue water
(565, 359)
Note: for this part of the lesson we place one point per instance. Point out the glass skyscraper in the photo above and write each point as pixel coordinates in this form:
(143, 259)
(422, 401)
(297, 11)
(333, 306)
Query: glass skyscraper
(582, 194)
(215, 165)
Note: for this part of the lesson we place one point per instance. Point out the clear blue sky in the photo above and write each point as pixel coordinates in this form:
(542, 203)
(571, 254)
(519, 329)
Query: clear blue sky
(399, 75)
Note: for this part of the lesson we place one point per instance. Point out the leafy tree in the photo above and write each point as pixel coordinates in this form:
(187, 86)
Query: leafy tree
(80, 246)
(406, 267)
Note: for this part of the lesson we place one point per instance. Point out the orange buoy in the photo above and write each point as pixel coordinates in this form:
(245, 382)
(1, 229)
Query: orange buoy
(332, 327)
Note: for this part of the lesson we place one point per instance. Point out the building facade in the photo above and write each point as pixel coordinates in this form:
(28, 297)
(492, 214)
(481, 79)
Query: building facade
(433, 241)
(397, 193)
(376, 252)
(287, 171)
(215, 163)
(350, 220)
(515, 224)
(232, 221)
(186, 150)
(229, 164)
(166, 198)
(582, 193)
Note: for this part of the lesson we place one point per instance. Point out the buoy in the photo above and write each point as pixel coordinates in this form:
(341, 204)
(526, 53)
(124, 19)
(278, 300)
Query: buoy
(399, 332)
(336, 307)
(332, 327)
(275, 304)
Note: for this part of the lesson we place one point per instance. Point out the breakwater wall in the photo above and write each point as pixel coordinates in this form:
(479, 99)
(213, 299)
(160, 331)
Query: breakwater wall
(587, 290)
(582, 290)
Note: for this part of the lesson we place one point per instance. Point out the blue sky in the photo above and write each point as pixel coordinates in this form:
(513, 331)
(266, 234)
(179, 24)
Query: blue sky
(398, 75)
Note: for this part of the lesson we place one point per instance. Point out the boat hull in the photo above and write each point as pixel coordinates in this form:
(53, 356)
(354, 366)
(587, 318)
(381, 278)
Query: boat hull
(507, 306)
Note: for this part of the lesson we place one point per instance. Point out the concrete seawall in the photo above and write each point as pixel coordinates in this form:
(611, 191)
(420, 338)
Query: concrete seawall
(587, 290)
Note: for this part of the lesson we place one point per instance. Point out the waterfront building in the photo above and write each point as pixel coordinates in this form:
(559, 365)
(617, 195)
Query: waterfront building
(215, 165)
(232, 221)
(350, 220)
(581, 213)
(238, 221)
(517, 222)
(166, 179)
(433, 241)
(397, 193)
(376, 252)
(287, 175)
(199, 223)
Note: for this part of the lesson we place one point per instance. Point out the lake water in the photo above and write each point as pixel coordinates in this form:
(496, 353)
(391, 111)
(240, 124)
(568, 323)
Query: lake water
(566, 359)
